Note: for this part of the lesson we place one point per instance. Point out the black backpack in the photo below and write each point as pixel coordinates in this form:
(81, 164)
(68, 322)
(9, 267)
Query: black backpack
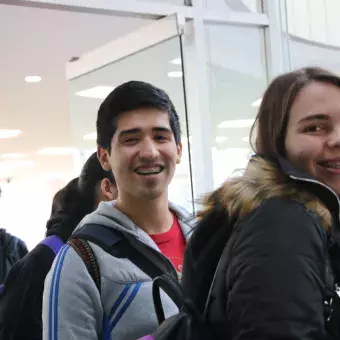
(193, 294)
(188, 323)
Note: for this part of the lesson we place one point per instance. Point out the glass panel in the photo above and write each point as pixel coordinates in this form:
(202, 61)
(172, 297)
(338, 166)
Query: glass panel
(170, 2)
(159, 65)
(235, 87)
(313, 28)
(253, 6)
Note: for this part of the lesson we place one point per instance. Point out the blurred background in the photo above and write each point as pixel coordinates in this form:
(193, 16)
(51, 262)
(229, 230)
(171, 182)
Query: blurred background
(59, 60)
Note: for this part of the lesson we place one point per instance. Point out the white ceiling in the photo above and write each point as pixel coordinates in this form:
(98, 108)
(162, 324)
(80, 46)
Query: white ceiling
(49, 114)
(40, 42)
(229, 71)
(150, 65)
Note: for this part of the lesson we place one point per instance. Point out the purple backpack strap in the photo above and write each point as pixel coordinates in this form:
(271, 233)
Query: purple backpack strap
(54, 242)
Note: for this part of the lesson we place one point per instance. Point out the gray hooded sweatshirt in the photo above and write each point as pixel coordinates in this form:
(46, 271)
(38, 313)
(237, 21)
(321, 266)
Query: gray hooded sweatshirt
(73, 308)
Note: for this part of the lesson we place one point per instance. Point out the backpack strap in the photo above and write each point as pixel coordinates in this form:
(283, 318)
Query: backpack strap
(149, 260)
(54, 242)
(85, 252)
(173, 289)
(104, 237)
(120, 245)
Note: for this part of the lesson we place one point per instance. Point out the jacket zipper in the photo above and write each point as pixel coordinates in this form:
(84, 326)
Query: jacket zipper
(319, 183)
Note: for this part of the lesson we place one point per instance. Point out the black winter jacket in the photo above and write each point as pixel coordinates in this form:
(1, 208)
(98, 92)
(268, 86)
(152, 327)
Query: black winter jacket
(272, 280)
(21, 300)
(12, 249)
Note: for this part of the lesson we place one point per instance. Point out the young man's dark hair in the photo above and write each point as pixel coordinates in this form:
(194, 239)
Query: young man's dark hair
(128, 97)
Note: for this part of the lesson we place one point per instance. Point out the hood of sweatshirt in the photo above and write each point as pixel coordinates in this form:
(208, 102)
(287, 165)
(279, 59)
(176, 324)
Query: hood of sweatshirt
(107, 215)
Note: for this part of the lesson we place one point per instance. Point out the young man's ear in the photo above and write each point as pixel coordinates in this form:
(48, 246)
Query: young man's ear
(109, 190)
(179, 153)
(103, 157)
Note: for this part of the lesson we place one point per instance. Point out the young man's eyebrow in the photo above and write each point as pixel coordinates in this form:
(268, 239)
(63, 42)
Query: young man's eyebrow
(129, 132)
(161, 129)
(138, 130)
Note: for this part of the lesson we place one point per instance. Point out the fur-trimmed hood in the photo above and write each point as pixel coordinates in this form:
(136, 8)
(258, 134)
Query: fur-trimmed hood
(264, 179)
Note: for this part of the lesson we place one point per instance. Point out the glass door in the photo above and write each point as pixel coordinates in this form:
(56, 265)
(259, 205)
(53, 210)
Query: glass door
(153, 54)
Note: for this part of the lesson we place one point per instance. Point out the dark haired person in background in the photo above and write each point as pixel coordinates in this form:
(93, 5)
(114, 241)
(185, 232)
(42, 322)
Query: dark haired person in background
(12, 249)
(139, 140)
(93, 186)
(21, 300)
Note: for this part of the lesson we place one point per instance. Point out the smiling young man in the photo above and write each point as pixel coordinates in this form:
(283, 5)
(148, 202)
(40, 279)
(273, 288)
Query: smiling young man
(138, 137)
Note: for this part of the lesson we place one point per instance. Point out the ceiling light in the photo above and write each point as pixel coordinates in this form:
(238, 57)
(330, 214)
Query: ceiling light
(176, 61)
(221, 139)
(99, 92)
(237, 123)
(33, 79)
(90, 136)
(15, 164)
(57, 151)
(9, 133)
(175, 74)
(7, 168)
(245, 139)
(257, 102)
(12, 155)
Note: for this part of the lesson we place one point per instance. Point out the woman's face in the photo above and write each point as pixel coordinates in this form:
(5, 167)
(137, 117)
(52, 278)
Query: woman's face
(313, 133)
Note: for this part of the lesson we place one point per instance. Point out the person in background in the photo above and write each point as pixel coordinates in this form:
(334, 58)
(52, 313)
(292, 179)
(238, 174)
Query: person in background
(273, 278)
(21, 299)
(139, 140)
(12, 249)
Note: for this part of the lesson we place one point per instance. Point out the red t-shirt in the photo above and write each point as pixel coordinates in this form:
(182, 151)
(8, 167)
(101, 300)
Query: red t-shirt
(172, 244)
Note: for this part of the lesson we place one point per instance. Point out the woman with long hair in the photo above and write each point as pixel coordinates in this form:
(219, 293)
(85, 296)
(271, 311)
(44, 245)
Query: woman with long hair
(280, 263)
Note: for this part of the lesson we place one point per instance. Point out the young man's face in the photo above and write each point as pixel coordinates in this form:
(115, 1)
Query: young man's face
(143, 154)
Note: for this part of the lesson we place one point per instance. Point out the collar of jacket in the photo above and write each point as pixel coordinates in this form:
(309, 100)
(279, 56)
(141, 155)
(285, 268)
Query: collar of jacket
(327, 195)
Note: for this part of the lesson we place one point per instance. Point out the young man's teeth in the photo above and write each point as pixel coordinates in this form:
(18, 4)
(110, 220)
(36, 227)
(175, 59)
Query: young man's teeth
(149, 171)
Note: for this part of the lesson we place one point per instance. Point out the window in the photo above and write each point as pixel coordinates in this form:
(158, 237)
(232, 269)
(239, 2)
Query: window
(236, 84)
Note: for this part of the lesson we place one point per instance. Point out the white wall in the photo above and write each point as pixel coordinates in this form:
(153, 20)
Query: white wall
(25, 206)
(315, 20)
